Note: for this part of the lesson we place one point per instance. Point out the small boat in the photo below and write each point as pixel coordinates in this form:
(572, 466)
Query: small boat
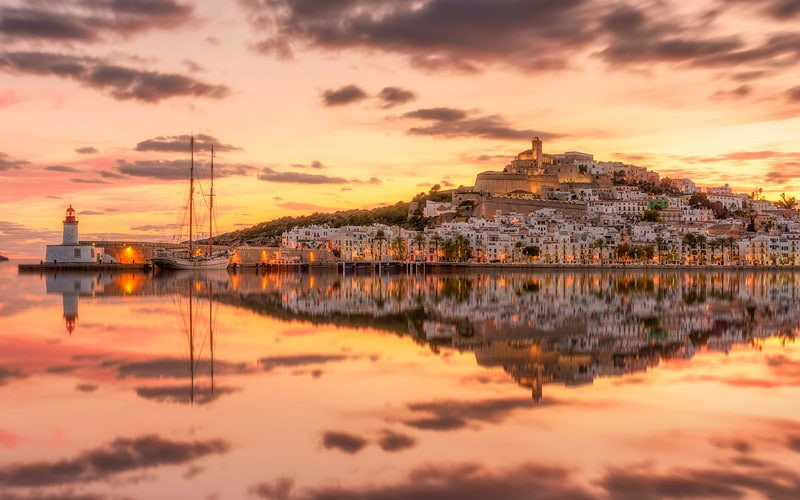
(194, 257)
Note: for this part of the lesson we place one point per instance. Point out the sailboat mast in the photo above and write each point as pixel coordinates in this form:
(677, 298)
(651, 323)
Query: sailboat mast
(191, 198)
(211, 208)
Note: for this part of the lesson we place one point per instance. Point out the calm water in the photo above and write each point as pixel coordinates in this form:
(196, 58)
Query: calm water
(547, 385)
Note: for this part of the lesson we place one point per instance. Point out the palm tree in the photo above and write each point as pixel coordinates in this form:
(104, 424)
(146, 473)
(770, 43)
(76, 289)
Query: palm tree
(399, 248)
(419, 240)
(659, 246)
(380, 237)
(436, 240)
(689, 240)
(702, 242)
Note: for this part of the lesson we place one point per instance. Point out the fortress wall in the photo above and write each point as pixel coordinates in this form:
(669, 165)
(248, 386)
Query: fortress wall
(487, 207)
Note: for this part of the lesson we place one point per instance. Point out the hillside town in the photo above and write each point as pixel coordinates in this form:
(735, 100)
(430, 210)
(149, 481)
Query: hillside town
(570, 209)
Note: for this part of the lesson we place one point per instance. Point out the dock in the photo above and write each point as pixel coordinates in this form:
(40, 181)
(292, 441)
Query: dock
(80, 266)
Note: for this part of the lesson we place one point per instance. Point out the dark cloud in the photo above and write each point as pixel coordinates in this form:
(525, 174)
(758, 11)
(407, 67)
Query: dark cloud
(316, 165)
(623, 19)
(447, 415)
(175, 368)
(348, 94)
(391, 441)
(469, 482)
(777, 9)
(271, 175)
(735, 93)
(794, 443)
(87, 150)
(92, 212)
(342, 441)
(110, 175)
(81, 180)
(746, 76)
(184, 394)
(180, 144)
(61, 168)
(279, 489)
(120, 82)
(192, 66)
(174, 169)
(6, 163)
(450, 123)
(699, 483)
(8, 374)
(86, 387)
(90, 20)
(532, 35)
(794, 94)
(120, 456)
(395, 96)
(300, 360)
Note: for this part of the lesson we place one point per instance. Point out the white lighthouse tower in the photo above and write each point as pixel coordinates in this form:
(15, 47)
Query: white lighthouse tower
(70, 251)
(70, 228)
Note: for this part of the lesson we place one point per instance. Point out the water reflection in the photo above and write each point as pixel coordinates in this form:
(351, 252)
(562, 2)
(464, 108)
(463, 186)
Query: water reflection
(557, 327)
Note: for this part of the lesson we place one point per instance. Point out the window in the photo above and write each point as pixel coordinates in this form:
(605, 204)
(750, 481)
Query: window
(77, 253)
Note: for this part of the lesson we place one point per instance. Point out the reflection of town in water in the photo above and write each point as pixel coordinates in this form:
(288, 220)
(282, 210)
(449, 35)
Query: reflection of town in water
(553, 327)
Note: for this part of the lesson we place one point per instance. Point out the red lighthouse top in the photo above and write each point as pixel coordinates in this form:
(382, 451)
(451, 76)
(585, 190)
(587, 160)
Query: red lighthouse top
(70, 215)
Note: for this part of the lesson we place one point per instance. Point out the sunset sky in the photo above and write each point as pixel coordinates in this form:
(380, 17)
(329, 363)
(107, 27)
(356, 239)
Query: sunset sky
(325, 105)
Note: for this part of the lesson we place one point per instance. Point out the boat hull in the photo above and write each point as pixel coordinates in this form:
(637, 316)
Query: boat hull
(199, 263)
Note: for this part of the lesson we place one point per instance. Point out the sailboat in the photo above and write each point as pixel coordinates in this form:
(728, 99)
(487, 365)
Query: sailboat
(195, 258)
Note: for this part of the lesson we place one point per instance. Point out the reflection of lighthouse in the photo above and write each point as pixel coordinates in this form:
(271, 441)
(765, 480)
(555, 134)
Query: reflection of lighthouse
(71, 288)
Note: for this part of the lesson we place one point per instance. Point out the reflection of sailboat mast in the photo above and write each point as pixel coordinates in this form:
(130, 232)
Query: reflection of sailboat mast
(211, 329)
(191, 346)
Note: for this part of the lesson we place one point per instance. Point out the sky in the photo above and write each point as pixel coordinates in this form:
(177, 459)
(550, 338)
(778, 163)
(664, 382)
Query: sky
(323, 106)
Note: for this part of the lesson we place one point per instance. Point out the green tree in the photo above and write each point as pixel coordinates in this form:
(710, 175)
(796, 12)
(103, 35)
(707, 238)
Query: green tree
(699, 200)
(419, 240)
(380, 237)
(651, 216)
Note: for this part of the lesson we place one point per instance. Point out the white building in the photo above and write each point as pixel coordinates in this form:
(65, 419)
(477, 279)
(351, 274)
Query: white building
(70, 250)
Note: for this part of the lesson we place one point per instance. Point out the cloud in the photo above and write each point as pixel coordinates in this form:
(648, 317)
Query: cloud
(532, 35)
(279, 489)
(448, 415)
(794, 94)
(451, 123)
(86, 387)
(61, 168)
(391, 441)
(271, 175)
(87, 150)
(174, 368)
(735, 93)
(8, 98)
(171, 170)
(395, 96)
(80, 180)
(180, 144)
(300, 360)
(120, 82)
(120, 456)
(184, 394)
(776, 9)
(469, 481)
(89, 20)
(6, 163)
(7, 374)
(348, 94)
(316, 165)
(342, 441)
(192, 66)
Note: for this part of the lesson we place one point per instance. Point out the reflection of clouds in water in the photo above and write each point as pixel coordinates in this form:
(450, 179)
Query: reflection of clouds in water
(174, 368)
(449, 415)
(184, 394)
(343, 441)
(278, 489)
(8, 374)
(120, 456)
(301, 360)
(391, 441)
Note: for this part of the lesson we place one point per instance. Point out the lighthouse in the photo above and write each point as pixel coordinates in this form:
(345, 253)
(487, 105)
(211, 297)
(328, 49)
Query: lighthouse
(71, 251)
(70, 228)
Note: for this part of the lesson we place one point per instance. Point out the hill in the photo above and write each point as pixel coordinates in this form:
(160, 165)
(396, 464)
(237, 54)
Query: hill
(269, 233)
